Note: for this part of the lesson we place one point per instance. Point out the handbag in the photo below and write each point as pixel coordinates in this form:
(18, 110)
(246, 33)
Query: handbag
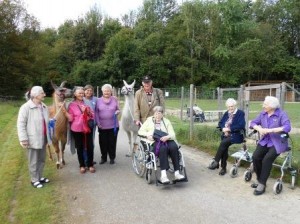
(157, 134)
(89, 121)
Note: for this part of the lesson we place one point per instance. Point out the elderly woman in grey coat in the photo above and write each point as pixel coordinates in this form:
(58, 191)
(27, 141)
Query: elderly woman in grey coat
(33, 135)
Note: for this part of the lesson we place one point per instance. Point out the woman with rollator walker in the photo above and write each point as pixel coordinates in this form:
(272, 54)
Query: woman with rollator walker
(270, 124)
(232, 126)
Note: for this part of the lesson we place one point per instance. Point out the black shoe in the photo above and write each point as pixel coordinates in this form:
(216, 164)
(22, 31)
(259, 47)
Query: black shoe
(254, 185)
(112, 161)
(222, 171)
(213, 165)
(256, 192)
(102, 161)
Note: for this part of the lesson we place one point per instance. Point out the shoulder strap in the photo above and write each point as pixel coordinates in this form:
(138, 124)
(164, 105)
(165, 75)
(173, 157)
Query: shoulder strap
(157, 96)
(79, 108)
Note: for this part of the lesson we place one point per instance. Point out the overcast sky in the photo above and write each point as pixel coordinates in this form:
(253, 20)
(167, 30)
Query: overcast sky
(52, 13)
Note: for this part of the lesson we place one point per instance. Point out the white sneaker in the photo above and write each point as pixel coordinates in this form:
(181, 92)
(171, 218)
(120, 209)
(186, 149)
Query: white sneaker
(178, 176)
(164, 180)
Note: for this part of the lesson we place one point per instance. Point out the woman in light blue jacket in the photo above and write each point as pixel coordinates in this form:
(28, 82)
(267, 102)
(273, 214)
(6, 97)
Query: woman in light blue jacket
(33, 135)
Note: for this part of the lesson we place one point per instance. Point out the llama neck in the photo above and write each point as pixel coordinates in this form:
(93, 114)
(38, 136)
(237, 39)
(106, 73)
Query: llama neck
(56, 102)
(129, 99)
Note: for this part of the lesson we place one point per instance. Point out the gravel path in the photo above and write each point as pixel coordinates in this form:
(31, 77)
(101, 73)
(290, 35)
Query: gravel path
(115, 195)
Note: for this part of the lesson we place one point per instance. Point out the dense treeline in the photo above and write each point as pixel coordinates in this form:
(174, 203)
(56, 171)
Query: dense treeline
(208, 43)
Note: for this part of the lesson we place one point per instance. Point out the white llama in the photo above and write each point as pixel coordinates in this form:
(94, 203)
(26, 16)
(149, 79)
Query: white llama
(127, 119)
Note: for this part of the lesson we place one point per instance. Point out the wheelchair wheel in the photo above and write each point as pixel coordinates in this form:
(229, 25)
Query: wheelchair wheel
(247, 175)
(234, 171)
(138, 161)
(148, 176)
(277, 188)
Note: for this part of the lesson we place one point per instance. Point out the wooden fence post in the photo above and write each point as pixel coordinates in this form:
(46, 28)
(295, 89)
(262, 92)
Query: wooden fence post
(191, 111)
(182, 98)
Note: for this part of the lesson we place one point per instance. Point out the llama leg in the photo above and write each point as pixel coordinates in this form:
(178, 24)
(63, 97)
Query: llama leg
(56, 146)
(130, 143)
(63, 146)
(49, 152)
(60, 155)
(63, 155)
(135, 144)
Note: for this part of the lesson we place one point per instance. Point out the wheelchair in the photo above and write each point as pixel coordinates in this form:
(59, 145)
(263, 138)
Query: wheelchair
(146, 163)
(286, 165)
(197, 117)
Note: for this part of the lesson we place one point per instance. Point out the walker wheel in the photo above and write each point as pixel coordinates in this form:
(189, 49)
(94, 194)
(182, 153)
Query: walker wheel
(233, 171)
(293, 181)
(247, 175)
(148, 176)
(277, 188)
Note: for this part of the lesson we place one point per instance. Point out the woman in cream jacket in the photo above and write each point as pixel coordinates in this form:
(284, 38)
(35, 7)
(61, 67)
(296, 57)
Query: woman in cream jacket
(164, 146)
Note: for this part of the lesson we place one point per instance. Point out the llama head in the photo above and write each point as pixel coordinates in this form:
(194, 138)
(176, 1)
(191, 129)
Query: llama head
(61, 92)
(127, 89)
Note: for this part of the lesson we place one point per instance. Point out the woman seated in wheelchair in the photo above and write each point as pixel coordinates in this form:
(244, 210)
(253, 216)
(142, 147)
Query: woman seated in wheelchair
(160, 134)
(232, 126)
(270, 124)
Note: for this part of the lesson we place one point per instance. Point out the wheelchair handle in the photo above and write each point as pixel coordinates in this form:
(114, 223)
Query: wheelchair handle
(284, 135)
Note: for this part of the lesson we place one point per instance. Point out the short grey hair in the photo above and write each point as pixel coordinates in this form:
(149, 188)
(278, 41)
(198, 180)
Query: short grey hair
(106, 86)
(272, 102)
(75, 89)
(158, 109)
(230, 102)
(35, 91)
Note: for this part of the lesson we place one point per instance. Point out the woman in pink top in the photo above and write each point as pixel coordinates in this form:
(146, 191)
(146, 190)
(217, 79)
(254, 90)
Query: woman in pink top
(78, 113)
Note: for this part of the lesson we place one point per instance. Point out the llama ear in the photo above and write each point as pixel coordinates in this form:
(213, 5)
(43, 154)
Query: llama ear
(125, 83)
(133, 83)
(53, 85)
(63, 84)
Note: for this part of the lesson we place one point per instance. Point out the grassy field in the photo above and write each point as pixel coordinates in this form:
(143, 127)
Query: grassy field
(254, 108)
(20, 202)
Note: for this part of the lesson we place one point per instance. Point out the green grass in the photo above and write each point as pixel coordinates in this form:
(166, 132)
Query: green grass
(20, 202)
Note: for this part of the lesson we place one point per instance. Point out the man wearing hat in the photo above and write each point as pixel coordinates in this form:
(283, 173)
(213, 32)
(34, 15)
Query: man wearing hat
(146, 98)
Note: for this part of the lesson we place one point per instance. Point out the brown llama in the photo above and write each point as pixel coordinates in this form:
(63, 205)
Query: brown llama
(58, 124)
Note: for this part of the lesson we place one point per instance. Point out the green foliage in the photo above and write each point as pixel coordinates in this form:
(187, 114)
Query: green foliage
(208, 43)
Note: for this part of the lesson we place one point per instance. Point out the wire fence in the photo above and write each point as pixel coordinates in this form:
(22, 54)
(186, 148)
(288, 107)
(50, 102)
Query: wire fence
(212, 102)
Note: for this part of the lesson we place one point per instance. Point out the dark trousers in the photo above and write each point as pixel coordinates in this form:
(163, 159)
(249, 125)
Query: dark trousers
(222, 153)
(108, 143)
(263, 158)
(84, 146)
(171, 148)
